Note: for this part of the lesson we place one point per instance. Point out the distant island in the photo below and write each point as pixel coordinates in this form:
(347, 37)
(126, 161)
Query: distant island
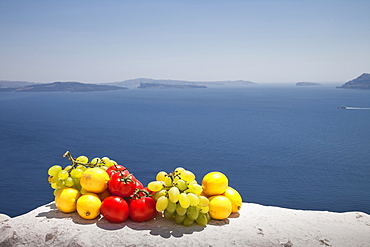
(62, 87)
(303, 84)
(167, 86)
(137, 83)
(361, 82)
(140, 83)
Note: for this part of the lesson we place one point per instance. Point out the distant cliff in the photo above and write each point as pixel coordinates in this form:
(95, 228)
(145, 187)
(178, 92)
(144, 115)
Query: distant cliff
(361, 82)
(14, 84)
(308, 84)
(167, 86)
(136, 83)
(63, 87)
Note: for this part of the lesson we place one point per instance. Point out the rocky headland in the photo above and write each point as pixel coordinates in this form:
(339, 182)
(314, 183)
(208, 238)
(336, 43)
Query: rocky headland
(62, 87)
(361, 82)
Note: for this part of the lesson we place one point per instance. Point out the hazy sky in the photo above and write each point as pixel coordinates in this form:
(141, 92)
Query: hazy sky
(260, 41)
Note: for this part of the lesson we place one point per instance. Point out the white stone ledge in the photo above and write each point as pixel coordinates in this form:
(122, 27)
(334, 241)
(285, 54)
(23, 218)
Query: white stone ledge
(256, 225)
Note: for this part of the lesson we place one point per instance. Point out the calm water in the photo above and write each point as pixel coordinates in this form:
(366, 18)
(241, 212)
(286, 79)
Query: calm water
(283, 146)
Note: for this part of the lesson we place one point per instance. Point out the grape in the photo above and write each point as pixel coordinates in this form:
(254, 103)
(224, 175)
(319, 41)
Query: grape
(54, 170)
(63, 175)
(53, 179)
(83, 191)
(82, 159)
(195, 188)
(187, 221)
(179, 218)
(56, 191)
(60, 184)
(105, 159)
(161, 176)
(187, 176)
(162, 203)
(194, 199)
(156, 185)
(54, 185)
(192, 212)
(69, 182)
(104, 168)
(179, 170)
(180, 210)
(203, 201)
(76, 173)
(67, 168)
(168, 181)
(193, 182)
(202, 219)
(81, 167)
(159, 194)
(204, 210)
(177, 195)
(174, 194)
(168, 214)
(77, 184)
(184, 200)
(181, 184)
(171, 207)
(108, 163)
(95, 161)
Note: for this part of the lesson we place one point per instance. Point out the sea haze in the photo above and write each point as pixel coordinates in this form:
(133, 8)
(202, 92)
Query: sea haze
(283, 146)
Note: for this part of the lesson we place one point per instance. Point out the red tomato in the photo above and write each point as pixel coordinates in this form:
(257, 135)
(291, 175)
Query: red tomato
(121, 186)
(114, 209)
(142, 209)
(139, 185)
(114, 169)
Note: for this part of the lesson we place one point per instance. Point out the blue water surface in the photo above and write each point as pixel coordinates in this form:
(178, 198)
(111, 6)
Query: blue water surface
(281, 145)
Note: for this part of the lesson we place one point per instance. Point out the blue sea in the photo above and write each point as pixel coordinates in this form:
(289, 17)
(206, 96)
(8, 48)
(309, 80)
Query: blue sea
(284, 146)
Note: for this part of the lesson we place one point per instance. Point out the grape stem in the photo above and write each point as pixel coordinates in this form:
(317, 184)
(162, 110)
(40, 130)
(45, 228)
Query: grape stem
(75, 163)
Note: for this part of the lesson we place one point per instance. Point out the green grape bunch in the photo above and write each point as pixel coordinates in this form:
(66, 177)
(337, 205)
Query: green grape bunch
(70, 175)
(178, 196)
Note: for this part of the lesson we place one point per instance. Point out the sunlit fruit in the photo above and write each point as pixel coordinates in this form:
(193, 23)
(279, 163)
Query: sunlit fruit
(220, 207)
(104, 194)
(234, 197)
(94, 180)
(88, 206)
(66, 199)
(214, 183)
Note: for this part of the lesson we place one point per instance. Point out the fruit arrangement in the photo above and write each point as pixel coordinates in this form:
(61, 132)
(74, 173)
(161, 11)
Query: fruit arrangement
(103, 187)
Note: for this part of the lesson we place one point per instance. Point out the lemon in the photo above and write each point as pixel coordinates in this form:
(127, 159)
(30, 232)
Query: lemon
(66, 199)
(88, 206)
(214, 183)
(94, 180)
(220, 207)
(234, 197)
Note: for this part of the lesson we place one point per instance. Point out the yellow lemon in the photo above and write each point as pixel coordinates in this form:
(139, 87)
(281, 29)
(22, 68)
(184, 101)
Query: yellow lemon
(234, 197)
(94, 180)
(220, 207)
(88, 206)
(214, 183)
(66, 199)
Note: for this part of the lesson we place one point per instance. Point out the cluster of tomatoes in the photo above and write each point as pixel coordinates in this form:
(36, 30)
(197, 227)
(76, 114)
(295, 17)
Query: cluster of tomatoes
(129, 198)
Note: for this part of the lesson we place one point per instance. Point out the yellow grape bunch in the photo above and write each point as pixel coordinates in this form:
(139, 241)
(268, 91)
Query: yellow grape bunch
(178, 196)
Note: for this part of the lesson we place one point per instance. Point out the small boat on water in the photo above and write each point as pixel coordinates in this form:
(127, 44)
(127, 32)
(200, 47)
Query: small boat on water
(342, 107)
